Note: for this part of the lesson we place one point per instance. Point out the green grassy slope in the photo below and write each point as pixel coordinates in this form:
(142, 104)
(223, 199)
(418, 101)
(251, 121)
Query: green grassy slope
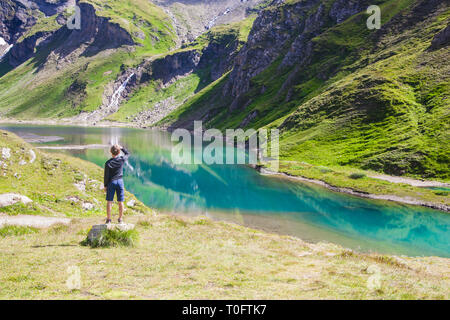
(46, 87)
(373, 100)
(148, 95)
(51, 182)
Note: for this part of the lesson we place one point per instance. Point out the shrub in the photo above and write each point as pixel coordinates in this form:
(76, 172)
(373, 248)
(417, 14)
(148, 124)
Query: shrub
(324, 169)
(144, 223)
(60, 228)
(113, 238)
(357, 175)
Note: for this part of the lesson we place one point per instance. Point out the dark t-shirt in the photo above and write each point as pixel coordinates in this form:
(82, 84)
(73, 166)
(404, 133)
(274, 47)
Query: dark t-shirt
(114, 167)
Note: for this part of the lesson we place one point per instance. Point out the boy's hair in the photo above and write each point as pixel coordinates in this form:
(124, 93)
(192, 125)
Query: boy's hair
(115, 150)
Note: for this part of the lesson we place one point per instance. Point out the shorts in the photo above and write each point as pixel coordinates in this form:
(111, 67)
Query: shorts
(115, 186)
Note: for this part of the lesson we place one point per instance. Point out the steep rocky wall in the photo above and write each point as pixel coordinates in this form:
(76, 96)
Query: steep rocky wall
(284, 32)
(15, 19)
(194, 17)
(96, 34)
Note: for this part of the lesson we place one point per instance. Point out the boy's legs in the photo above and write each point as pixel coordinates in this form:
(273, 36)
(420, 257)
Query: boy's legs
(120, 210)
(110, 192)
(108, 209)
(120, 197)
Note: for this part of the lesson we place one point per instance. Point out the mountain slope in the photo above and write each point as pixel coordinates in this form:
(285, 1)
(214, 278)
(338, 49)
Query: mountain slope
(340, 93)
(66, 72)
(73, 187)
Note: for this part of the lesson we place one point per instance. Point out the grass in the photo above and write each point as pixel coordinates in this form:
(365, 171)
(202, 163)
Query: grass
(177, 257)
(213, 260)
(113, 238)
(147, 23)
(8, 231)
(357, 175)
(59, 174)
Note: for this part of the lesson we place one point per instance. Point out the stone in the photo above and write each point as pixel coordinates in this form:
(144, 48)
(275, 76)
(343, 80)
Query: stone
(6, 153)
(9, 199)
(131, 203)
(88, 206)
(97, 230)
(33, 156)
(441, 39)
(81, 186)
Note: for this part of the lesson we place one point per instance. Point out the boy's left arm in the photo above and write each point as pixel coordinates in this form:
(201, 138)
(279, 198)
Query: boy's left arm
(106, 177)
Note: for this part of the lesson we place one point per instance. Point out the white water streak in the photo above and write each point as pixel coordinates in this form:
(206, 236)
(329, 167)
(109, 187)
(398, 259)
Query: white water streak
(116, 96)
(5, 51)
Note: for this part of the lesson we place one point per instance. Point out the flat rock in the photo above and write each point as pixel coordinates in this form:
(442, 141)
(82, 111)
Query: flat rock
(8, 199)
(96, 230)
(32, 221)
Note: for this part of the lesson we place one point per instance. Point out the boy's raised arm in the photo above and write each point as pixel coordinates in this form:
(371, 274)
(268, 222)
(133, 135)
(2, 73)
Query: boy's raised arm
(126, 154)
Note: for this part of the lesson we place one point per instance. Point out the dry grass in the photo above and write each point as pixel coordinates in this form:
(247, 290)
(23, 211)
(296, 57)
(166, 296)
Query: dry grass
(180, 258)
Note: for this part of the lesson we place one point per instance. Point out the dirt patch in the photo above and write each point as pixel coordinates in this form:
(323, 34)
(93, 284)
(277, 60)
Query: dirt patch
(32, 221)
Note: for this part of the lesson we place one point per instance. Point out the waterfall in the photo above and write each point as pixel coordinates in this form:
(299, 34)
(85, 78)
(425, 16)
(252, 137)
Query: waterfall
(114, 140)
(116, 96)
(6, 50)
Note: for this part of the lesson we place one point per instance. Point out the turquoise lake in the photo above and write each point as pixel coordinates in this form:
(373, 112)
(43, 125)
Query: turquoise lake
(239, 194)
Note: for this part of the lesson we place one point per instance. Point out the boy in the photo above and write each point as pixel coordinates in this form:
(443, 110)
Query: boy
(113, 180)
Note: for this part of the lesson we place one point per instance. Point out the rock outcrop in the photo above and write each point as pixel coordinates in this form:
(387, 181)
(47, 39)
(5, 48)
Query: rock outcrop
(9, 199)
(192, 18)
(216, 58)
(441, 39)
(96, 34)
(97, 230)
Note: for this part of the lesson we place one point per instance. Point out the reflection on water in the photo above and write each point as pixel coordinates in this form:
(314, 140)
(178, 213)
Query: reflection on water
(240, 194)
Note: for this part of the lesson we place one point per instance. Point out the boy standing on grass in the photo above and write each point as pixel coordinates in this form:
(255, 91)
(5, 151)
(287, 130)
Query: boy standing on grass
(113, 180)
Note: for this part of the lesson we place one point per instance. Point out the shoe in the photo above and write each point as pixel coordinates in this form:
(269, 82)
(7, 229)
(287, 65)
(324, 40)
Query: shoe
(120, 220)
(108, 221)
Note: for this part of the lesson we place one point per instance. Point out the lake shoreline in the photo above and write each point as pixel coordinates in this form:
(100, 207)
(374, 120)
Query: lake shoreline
(411, 201)
(262, 170)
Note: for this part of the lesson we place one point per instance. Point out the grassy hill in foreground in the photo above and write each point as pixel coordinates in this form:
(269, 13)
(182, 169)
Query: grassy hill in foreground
(59, 185)
(178, 258)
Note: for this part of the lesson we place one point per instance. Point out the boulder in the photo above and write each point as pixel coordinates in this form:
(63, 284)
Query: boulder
(441, 39)
(9, 199)
(97, 230)
(6, 153)
(88, 206)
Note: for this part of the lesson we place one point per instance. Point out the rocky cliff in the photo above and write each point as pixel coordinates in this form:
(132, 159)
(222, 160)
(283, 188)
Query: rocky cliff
(96, 34)
(339, 92)
(195, 17)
